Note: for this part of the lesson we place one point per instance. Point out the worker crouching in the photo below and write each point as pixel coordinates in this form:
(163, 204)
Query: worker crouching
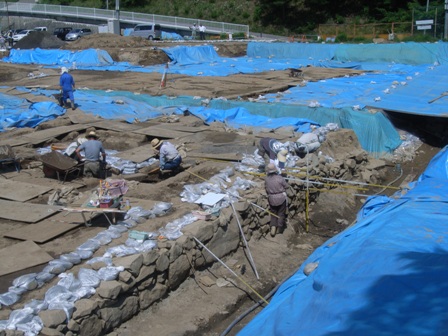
(276, 186)
(169, 158)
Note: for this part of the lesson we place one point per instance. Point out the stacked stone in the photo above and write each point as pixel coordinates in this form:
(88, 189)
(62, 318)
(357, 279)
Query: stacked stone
(146, 278)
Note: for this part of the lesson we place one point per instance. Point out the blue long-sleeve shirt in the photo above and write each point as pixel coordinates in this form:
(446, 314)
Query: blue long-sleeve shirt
(66, 82)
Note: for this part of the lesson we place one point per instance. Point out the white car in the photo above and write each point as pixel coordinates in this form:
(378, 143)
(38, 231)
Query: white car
(21, 35)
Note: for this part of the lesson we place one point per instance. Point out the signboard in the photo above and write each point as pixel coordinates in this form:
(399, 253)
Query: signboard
(424, 22)
(424, 27)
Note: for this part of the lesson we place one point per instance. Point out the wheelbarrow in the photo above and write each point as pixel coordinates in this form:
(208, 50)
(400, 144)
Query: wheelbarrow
(59, 165)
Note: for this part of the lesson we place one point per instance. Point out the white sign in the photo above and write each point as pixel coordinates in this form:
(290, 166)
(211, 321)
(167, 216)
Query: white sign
(424, 22)
(424, 27)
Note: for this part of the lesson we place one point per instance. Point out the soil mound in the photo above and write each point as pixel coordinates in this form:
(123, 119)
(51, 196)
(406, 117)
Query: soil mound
(106, 41)
(42, 40)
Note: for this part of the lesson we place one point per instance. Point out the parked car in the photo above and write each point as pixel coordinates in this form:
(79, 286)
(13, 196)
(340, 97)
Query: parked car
(150, 31)
(77, 33)
(18, 36)
(62, 32)
(40, 28)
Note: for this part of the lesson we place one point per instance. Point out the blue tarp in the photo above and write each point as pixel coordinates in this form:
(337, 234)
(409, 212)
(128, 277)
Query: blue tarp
(16, 112)
(388, 85)
(386, 275)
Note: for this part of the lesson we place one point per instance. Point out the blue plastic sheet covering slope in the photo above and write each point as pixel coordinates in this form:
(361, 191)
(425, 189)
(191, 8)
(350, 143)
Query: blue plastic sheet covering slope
(20, 113)
(375, 132)
(384, 276)
(302, 51)
(121, 105)
(401, 53)
(84, 58)
(130, 107)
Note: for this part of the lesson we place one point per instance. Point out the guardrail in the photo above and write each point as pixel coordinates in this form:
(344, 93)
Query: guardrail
(127, 17)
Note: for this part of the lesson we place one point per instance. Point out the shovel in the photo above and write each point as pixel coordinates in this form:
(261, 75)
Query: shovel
(441, 96)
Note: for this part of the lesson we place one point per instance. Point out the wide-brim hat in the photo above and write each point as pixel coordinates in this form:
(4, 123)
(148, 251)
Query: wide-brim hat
(281, 156)
(155, 143)
(92, 134)
(63, 69)
(271, 168)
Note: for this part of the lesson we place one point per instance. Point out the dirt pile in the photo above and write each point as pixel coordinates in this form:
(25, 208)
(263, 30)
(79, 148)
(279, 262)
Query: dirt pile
(42, 40)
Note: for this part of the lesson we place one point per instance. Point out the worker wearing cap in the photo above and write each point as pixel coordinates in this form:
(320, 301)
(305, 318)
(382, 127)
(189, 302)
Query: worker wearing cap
(169, 157)
(67, 84)
(276, 186)
(93, 153)
(274, 149)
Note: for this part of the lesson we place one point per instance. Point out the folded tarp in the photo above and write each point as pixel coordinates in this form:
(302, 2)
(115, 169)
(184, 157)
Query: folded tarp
(16, 112)
(384, 276)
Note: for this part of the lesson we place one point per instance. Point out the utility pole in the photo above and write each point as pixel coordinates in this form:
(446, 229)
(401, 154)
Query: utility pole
(117, 10)
(445, 34)
(7, 13)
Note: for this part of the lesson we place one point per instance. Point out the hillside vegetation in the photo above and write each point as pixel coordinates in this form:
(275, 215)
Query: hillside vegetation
(281, 17)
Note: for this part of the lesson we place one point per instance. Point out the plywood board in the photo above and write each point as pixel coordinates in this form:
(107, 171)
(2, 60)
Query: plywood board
(20, 191)
(220, 156)
(137, 155)
(115, 125)
(47, 229)
(159, 132)
(22, 256)
(144, 203)
(182, 128)
(26, 212)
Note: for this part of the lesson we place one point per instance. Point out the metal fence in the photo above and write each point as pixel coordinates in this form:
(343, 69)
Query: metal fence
(126, 17)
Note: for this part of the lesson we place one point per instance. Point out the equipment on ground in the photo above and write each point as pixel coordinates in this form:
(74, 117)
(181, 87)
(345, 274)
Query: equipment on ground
(441, 96)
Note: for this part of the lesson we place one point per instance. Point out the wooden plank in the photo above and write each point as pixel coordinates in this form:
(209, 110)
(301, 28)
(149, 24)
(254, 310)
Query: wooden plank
(138, 154)
(159, 132)
(115, 125)
(220, 156)
(79, 117)
(41, 136)
(183, 128)
(22, 256)
(13, 142)
(21, 191)
(48, 182)
(47, 229)
(34, 212)
(273, 135)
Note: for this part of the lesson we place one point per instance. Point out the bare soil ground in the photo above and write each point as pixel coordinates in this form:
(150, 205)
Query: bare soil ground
(195, 308)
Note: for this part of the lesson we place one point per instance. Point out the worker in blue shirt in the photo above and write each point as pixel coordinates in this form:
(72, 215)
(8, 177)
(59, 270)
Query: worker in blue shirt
(67, 84)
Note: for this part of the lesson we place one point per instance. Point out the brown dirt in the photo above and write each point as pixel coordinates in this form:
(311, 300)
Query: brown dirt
(194, 308)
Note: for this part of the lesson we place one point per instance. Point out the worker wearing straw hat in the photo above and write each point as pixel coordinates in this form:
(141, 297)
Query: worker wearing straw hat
(169, 157)
(93, 149)
(276, 186)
